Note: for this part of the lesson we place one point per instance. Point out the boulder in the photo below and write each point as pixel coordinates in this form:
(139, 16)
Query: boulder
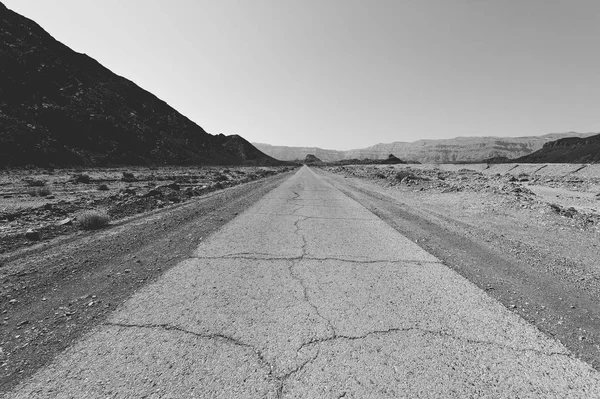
(33, 235)
(65, 222)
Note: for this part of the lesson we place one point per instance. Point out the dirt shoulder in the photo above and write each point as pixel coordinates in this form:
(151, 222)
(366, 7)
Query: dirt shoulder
(53, 294)
(49, 203)
(538, 258)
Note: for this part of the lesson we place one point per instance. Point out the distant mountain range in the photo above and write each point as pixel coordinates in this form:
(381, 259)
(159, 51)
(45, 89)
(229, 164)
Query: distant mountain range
(567, 150)
(59, 107)
(456, 150)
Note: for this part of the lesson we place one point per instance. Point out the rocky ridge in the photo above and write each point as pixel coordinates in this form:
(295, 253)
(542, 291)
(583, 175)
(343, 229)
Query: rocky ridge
(59, 107)
(567, 150)
(456, 150)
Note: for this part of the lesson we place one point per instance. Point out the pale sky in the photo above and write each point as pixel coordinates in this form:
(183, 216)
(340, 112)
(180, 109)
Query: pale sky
(349, 74)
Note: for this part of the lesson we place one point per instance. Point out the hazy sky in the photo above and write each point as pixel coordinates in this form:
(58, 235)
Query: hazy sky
(348, 74)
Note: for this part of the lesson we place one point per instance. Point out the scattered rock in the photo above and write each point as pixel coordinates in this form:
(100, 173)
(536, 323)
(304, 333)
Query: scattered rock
(81, 178)
(174, 198)
(556, 208)
(129, 191)
(33, 235)
(65, 222)
(128, 177)
(153, 193)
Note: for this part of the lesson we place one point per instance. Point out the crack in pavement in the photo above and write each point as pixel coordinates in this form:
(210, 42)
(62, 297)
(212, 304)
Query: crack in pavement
(271, 257)
(280, 379)
(307, 217)
(247, 255)
(300, 280)
(214, 336)
(295, 371)
(438, 333)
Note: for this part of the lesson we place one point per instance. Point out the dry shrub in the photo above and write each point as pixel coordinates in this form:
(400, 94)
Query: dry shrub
(43, 191)
(220, 177)
(40, 192)
(405, 174)
(128, 177)
(82, 178)
(35, 183)
(93, 220)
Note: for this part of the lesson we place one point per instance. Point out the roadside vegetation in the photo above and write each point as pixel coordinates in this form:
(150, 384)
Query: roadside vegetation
(93, 220)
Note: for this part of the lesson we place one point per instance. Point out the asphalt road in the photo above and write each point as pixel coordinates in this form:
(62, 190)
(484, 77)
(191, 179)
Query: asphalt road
(307, 294)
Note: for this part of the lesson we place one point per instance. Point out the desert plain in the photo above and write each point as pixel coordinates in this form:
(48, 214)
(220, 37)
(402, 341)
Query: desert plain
(527, 235)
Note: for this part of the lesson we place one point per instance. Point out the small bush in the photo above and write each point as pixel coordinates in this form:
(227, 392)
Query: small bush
(220, 178)
(523, 177)
(404, 174)
(36, 183)
(92, 220)
(40, 192)
(103, 187)
(82, 178)
(43, 191)
(128, 177)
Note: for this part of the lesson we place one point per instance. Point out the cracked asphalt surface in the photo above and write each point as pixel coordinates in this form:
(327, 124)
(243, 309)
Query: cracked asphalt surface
(308, 294)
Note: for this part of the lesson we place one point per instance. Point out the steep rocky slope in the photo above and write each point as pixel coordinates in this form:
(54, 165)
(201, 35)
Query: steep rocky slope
(460, 149)
(312, 160)
(59, 107)
(567, 150)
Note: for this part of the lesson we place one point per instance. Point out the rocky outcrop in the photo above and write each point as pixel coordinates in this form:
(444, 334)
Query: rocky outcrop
(312, 160)
(567, 150)
(59, 107)
(392, 160)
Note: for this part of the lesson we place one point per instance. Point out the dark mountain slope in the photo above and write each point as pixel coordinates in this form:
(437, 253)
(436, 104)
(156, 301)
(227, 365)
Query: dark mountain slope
(241, 148)
(567, 150)
(63, 108)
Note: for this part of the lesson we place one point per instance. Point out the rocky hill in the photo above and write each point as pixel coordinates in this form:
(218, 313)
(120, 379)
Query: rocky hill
(567, 150)
(59, 107)
(456, 150)
(299, 153)
(312, 160)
